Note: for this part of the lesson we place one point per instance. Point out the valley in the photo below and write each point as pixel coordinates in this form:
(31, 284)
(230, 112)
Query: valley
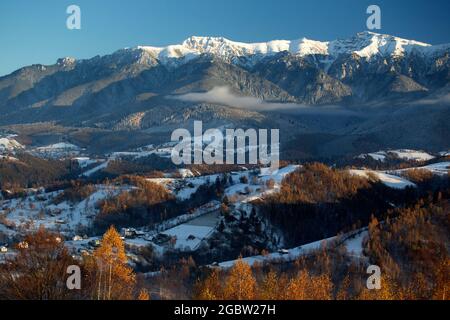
(87, 172)
(204, 207)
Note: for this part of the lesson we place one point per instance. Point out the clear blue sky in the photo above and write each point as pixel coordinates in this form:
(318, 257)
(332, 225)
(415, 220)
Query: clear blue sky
(35, 31)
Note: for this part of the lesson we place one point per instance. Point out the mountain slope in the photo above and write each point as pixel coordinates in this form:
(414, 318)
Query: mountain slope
(108, 91)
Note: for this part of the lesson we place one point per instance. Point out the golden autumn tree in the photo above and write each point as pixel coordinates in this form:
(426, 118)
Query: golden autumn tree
(307, 287)
(386, 292)
(298, 287)
(321, 287)
(211, 287)
(113, 278)
(270, 287)
(240, 283)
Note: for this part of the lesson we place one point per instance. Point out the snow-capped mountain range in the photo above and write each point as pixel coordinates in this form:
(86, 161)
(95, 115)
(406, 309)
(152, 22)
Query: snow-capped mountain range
(134, 88)
(397, 92)
(364, 44)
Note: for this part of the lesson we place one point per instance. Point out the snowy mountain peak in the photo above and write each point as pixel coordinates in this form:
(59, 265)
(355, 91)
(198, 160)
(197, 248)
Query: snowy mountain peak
(196, 42)
(368, 44)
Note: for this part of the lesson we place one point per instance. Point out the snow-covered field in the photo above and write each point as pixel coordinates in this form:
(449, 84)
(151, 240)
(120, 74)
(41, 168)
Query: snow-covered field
(98, 168)
(62, 146)
(84, 162)
(379, 156)
(404, 154)
(59, 150)
(289, 256)
(161, 152)
(389, 180)
(394, 179)
(198, 212)
(190, 235)
(412, 155)
(353, 244)
(440, 168)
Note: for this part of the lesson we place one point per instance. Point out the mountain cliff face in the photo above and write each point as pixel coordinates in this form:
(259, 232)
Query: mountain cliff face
(134, 87)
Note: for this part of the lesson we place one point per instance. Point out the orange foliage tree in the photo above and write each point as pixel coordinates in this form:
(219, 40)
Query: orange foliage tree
(113, 278)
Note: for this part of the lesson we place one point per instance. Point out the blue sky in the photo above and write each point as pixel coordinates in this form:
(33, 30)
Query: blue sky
(35, 31)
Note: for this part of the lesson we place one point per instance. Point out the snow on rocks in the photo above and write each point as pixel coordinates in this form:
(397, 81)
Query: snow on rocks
(8, 143)
(186, 173)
